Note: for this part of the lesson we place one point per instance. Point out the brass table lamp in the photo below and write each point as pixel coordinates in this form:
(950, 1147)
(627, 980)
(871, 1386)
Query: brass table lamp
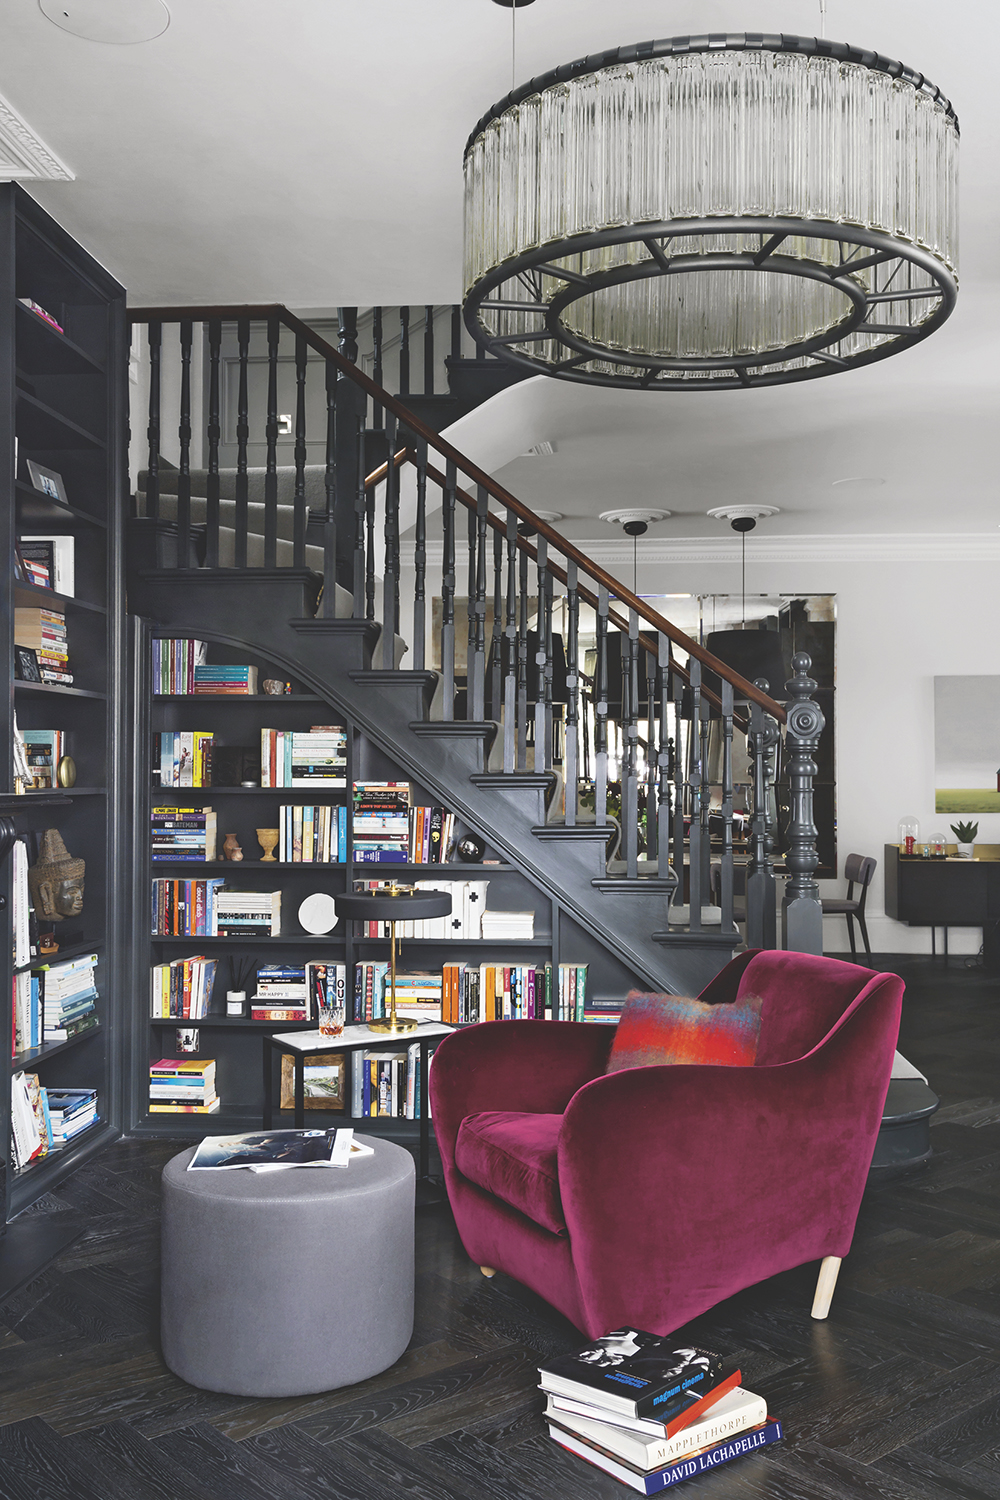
(392, 904)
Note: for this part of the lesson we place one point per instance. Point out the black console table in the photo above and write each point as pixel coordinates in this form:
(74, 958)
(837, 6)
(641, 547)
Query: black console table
(941, 892)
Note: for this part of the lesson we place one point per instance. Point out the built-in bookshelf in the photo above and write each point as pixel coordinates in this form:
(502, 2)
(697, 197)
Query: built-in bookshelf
(63, 370)
(234, 1043)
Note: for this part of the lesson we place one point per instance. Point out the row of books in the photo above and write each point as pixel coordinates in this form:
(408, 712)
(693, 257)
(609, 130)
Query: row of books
(651, 1415)
(47, 562)
(234, 680)
(312, 835)
(316, 757)
(174, 662)
(43, 632)
(286, 992)
(182, 989)
(514, 992)
(182, 833)
(432, 835)
(46, 1120)
(386, 1085)
(183, 757)
(381, 822)
(183, 1086)
(43, 750)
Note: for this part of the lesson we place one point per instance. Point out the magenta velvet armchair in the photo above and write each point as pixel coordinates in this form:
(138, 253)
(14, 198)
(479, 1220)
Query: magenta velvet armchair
(644, 1197)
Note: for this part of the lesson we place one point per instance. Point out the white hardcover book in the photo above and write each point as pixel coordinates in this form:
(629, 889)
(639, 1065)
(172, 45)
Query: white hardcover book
(735, 1412)
(63, 560)
(473, 906)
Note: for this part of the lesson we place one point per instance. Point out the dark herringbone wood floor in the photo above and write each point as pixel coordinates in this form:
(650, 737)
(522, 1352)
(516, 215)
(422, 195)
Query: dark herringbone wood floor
(896, 1397)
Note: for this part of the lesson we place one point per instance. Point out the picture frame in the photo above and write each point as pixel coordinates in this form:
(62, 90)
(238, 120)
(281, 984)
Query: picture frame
(48, 481)
(331, 1064)
(26, 664)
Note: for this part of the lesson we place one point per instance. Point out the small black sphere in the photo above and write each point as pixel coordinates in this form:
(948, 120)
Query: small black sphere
(470, 848)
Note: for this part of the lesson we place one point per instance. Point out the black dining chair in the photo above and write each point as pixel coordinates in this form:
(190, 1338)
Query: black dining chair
(858, 870)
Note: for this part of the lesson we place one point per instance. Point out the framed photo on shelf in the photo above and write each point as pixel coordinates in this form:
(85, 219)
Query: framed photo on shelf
(48, 481)
(26, 665)
(325, 1081)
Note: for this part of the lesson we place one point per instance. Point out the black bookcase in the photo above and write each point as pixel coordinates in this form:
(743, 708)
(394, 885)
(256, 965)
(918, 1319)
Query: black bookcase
(63, 405)
(236, 1044)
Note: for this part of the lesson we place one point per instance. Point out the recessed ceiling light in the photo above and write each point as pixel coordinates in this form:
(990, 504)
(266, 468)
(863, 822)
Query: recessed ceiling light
(116, 22)
(859, 482)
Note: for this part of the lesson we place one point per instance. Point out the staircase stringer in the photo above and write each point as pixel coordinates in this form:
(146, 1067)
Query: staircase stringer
(391, 709)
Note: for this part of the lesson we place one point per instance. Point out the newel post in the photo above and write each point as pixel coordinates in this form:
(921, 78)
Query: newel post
(801, 911)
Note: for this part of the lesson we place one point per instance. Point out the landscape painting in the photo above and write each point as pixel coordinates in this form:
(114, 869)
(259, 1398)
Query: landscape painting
(966, 745)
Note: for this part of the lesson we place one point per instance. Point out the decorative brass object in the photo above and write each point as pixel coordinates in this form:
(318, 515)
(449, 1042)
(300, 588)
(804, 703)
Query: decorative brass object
(267, 838)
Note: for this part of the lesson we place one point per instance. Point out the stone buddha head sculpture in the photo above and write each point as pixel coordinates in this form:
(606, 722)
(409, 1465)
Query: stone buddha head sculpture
(56, 881)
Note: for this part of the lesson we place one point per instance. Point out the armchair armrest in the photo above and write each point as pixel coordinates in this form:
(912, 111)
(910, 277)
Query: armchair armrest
(535, 1066)
(695, 1182)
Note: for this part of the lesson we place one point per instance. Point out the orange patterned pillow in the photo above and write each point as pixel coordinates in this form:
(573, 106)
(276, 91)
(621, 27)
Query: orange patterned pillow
(658, 1029)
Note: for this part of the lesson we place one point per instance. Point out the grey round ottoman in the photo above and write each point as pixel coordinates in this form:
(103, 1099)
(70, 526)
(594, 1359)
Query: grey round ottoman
(287, 1283)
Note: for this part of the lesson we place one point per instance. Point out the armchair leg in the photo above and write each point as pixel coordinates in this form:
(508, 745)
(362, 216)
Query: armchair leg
(489, 1271)
(829, 1268)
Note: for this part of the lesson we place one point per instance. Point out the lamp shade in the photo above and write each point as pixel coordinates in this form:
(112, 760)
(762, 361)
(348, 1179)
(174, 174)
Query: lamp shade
(384, 906)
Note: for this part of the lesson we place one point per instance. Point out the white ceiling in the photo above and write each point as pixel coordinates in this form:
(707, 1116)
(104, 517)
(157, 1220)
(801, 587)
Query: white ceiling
(309, 152)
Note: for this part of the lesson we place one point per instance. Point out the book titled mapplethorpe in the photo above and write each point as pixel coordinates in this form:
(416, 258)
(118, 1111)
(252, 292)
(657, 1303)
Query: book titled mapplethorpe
(640, 1374)
(273, 1150)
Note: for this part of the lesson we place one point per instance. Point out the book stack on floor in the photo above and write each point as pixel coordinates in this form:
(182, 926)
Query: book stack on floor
(44, 749)
(71, 1111)
(44, 632)
(234, 681)
(381, 823)
(316, 757)
(182, 988)
(174, 663)
(183, 758)
(183, 1086)
(247, 913)
(386, 1085)
(185, 908)
(53, 557)
(182, 833)
(312, 835)
(649, 1414)
(69, 997)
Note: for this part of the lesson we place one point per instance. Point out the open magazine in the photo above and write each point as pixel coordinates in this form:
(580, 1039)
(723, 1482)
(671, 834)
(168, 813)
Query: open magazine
(276, 1150)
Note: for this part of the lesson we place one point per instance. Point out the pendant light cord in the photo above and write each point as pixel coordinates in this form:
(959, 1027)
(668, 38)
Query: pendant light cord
(743, 538)
(513, 45)
(822, 18)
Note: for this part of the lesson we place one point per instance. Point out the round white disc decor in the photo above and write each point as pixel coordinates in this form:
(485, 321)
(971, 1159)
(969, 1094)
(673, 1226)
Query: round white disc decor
(317, 914)
(118, 22)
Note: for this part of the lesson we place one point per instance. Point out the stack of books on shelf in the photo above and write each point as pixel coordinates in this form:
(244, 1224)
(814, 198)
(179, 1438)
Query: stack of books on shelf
(602, 1011)
(183, 758)
(43, 749)
(71, 1111)
(381, 822)
(315, 757)
(185, 908)
(31, 1129)
(247, 913)
(512, 926)
(182, 833)
(182, 989)
(432, 835)
(650, 1415)
(386, 1085)
(49, 561)
(174, 663)
(234, 681)
(312, 835)
(27, 1013)
(418, 995)
(182, 1086)
(69, 997)
(43, 631)
(288, 992)
(464, 922)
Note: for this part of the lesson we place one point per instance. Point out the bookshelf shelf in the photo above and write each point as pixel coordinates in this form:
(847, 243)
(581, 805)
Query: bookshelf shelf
(43, 349)
(42, 427)
(295, 793)
(296, 939)
(478, 944)
(76, 950)
(235, 1023)
(36, 1055)
(32, 596)
(34, 508)
(246, 864)
(58, 689)
(235, 699)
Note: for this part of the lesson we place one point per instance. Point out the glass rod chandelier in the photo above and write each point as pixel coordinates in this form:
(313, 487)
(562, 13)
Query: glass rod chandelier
(709, 212)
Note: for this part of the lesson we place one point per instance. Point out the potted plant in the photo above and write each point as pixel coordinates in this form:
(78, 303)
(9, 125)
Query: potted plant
(965, 834)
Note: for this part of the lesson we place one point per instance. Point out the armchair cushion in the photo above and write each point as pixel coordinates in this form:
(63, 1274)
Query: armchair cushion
(656, 1030)
(513, 1156)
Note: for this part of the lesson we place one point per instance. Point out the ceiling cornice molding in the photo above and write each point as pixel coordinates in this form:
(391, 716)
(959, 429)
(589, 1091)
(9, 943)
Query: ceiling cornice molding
(930, 547)
(23, 154)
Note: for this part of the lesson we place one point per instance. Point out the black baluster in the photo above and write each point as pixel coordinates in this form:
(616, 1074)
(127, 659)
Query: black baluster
(726, 863)
(571, 753)
(510, 761)
(370, 554)
(429, 351)
(390, 563)
(242, 438)
(696, 778)
(496, 634)
(543, 661)
(360, 513)
(404, 353)
(801, 910)
(184, 558)
(377, 375)
(586, 716)
(153, 428)
(522, 663)
(705, 804)
(271, 441)
(663, 755)
(329, 606)
(214, 438)
(630, 767)
(456, 332)
(448, 593)
(300, 454)
(470, 610)
(761, 910)
(351, 410)
(477, 661)
(652, 829)
(420, 560)
(679, 762)
(601, 711)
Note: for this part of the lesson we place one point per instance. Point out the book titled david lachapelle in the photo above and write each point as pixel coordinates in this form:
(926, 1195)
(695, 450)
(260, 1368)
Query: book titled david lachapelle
(631, 1371)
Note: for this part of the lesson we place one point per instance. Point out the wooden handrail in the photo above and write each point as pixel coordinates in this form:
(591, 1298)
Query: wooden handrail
(471, 471)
